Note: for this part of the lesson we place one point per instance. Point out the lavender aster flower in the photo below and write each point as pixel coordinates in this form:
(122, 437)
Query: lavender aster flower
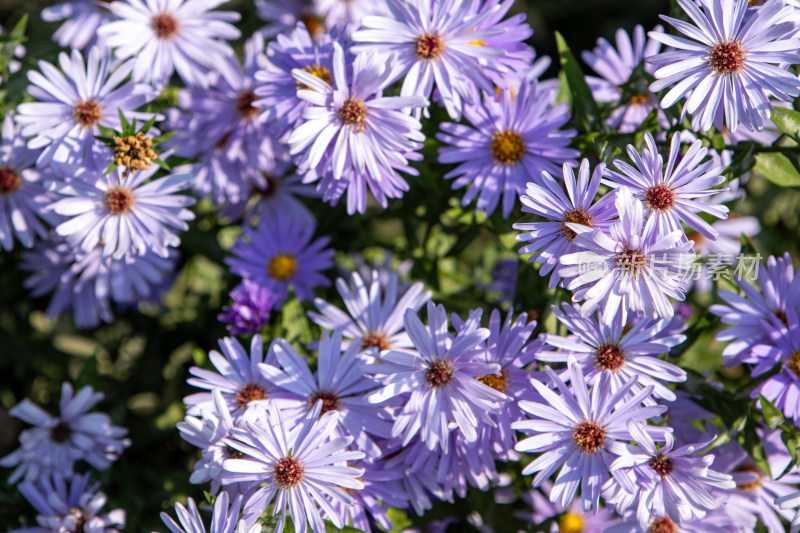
(71, 105)
(283, 15)
(69, 504)
(572, 519)
(348, 13)
(22, 197)
(279, 254)
(618, 351)
(791, 502)
(129, 216)
(545, 197)
(56, 443)
(782, 389)
(632, 269)
(512, 138)
(439, 379)
(81, 19)
(250, 309)
(367, 131)
(300, 467)
(670, 193)
(374, 317)
(581, 434)
(616, 68)
(714, 522)
(166, 36)
(224, 519)
(434, 42)
(728, 62)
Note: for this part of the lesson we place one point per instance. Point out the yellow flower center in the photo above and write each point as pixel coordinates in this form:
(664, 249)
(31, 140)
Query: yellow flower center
(570, 523)
(794, 363)
(507, 147)
(282, 266)
(318, 71)
(498, 382)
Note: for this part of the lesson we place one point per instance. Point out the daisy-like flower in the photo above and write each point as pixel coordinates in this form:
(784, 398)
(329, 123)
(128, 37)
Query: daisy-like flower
(382, 490)
(338, 382)
(22, 197)
(69, 503)
(368, 131)
(435, 42)
(81, 20)
(250, 309)
(572, 519)
(619, 351)
(224, 520)
(56, 443)
(728, 243)
(166, 36)
(374, 317)
(124, 216)
(717, 521)
(782, 389)
(299, 466)
(670, 193)
(670, 482)
(239, 378)
(581, 434)
(279, 254)
(348, 14)
(513, 138)
(616, 67)
(70, 106)
(730, 62)
(545, 197)
(791, 502)
(283, 15)
(633, 269)
(756, 315)
(438, 380)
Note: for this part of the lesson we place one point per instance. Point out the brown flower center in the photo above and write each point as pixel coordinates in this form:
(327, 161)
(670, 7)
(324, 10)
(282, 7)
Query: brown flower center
(119, 200)
(610, 357)
(794, 363)
(632, 261)
(353, 113)
(10, 180)
(663, 525)
(373, 339)
(88, 112)
(574, 216)
(165, 25)
(134, 152)
(639, 99)
(727, 58)
(330, 402)
(429, 46)
(250, 392)
(282, 267)
(662, 465)
(507, 147)
(288, 472)
(780, 314)
(313, 24)
(439, 374)
(659, 197)
(589, 436)
(61, 432)
(233, 453)
(498, 382)
(244, 104)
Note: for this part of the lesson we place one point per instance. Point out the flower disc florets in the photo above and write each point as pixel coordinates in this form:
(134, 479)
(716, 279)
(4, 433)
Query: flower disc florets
(794, 363)
(575, 216)
(589, 436)
(353, 113)
(10, 180)
(88, 112)
(165, 25)
(439, 374)
(498, 382)
(61, 432)
(632, 261)
(610, 357)
(134, 152)
(250, 392)
(659, 197)
(244, 104)
(662, 465)
(507, 147)
(282, 267)
(429, 46)
(663, 525)
(377, 340)
(727, 58)
(119, 200)
(288, 472)
(330, 402)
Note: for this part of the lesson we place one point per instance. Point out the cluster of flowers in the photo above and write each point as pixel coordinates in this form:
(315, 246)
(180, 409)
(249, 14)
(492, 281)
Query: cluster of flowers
(402, 412)
(45, 462)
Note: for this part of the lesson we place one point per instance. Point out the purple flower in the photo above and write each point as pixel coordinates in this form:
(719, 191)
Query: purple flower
(224, 519)
(22, 197)
(271, 193)
(632, 269)
(348, 14)
(545, 197)
(572, 519)
(81, 20)
(782, 389)
(56, 443)
(338, 382)
(69, 503)
(370, 505)
(618, 351)
(438, 380)
(581, 434)
(299, 466)
(512, 139)
(124, 216)
(374, 313)
(166, 36)
(714, 522)
(670, 194)
(728, 63)
(616, 68)
(438, 42)
(71, 105)
(279, 254)
(791, 502)
(250, 309)
(283, 15)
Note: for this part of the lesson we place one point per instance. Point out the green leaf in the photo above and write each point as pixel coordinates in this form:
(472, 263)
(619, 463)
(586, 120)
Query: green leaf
(164, 137)
(772, 415)
(19, 28)
(111, 168)
(778, 169)
(741, 162)
(124, 121)
(160, 163)
(148, 125)
(583, 103)
(788, 121)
